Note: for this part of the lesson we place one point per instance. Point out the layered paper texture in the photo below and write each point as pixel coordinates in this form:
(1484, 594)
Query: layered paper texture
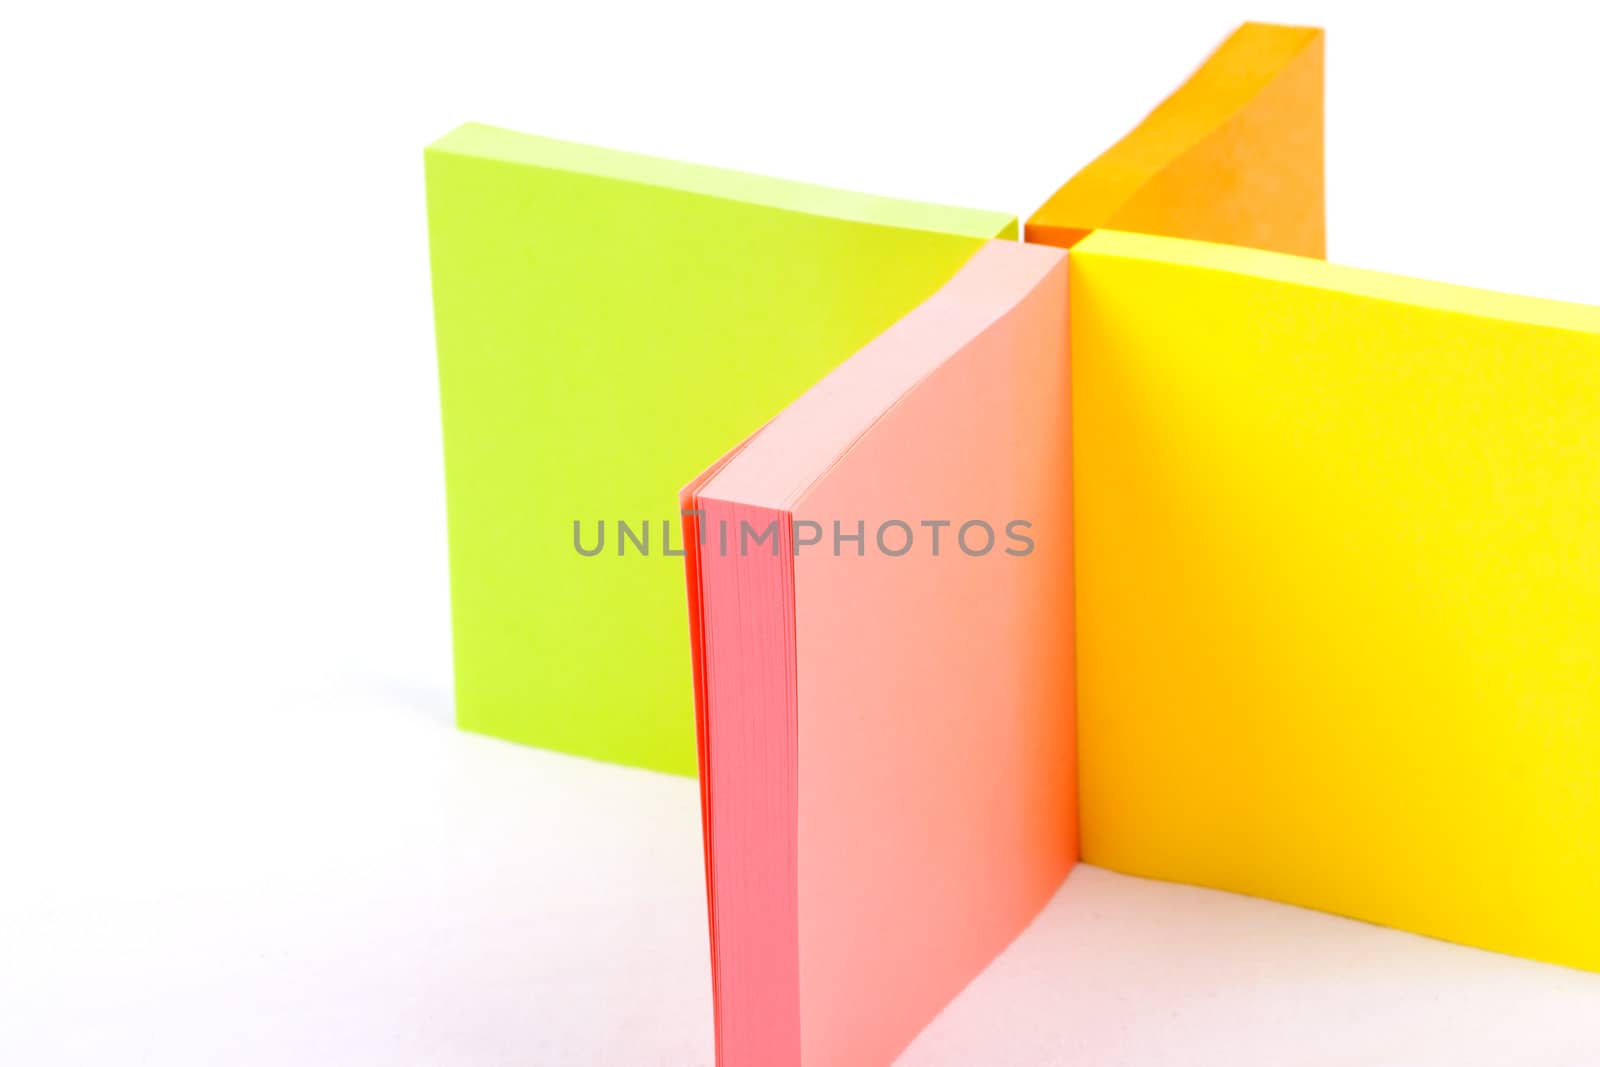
(1234, 156)
(886, 719)
(607, 325)
(1338, 602)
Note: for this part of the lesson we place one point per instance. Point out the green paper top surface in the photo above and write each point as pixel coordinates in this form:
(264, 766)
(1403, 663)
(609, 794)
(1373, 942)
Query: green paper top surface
(489, 142)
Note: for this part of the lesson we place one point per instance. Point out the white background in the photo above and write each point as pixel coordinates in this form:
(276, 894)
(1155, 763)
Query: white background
(236, 826)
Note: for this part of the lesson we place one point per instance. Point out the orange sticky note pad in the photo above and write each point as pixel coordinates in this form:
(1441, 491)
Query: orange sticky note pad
(1234, 156)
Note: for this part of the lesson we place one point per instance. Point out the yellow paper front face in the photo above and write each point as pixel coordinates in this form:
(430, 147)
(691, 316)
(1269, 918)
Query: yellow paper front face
(1338, 590)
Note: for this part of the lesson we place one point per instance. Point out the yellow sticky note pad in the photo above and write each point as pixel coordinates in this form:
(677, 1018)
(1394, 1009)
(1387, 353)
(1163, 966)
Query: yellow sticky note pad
(1338, 590)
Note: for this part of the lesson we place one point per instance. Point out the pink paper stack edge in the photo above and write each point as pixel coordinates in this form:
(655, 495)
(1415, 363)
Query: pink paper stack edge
(886, 742)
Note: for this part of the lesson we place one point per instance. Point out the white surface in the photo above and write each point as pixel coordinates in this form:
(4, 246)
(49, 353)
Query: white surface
(1124, 972)
(234, 825)
(359, 884)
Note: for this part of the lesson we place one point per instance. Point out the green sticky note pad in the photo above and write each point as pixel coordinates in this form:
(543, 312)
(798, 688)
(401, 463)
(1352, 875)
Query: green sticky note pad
(608, 326)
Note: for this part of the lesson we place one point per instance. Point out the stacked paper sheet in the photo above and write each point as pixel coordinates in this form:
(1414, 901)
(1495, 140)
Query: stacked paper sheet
(1170, 546)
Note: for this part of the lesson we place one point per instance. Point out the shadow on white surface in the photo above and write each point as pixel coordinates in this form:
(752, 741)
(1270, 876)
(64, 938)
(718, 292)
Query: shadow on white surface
(433, 703)
(344, 884)
(1125, 971)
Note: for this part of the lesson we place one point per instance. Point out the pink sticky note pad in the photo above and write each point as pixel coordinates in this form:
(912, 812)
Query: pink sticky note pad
(886, 723)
